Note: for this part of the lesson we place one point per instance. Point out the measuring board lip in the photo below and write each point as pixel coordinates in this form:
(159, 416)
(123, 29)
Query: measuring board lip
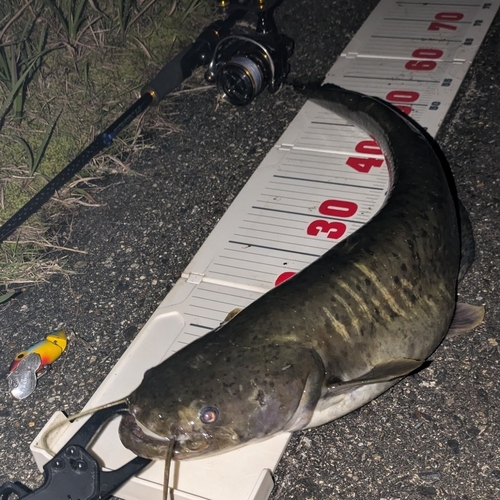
(186, 312)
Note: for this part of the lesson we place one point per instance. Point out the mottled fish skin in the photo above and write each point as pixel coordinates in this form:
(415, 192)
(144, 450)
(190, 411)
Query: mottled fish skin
(386, 292)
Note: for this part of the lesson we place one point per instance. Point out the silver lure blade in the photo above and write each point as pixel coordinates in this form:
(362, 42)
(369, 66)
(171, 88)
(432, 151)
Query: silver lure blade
(22, 381)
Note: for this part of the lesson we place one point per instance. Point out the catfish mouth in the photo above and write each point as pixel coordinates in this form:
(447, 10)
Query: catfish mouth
(141, 441)
(145, 443)
(130, 423)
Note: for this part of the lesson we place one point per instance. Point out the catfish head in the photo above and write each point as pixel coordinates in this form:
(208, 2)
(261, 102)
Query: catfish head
(210, 398)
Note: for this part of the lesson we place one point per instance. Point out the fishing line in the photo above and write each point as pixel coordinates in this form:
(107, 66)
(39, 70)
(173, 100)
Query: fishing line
(43, 440)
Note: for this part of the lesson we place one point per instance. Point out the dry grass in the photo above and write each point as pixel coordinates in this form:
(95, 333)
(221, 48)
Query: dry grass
(68, 68)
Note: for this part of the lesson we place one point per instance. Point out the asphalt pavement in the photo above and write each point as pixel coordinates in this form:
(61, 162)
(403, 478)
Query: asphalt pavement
(434, 435)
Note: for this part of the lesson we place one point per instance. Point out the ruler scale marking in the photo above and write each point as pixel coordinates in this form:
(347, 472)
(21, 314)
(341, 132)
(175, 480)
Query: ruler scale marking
(330, 183)
(353, 221)
(301, 214)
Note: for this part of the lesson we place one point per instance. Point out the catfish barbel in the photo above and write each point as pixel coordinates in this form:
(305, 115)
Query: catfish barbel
(369, 311)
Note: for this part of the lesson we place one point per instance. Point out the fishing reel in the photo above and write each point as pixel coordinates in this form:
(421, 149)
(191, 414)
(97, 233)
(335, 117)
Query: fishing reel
(244, 65)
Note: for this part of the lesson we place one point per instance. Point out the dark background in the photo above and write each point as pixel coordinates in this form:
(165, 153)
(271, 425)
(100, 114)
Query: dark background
(435, 435)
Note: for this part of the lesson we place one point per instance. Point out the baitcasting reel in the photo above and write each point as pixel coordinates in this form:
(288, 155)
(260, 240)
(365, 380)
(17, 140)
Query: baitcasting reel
(244, 65)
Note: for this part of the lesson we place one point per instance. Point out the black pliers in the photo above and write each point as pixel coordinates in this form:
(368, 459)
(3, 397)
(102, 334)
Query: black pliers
(74, 474)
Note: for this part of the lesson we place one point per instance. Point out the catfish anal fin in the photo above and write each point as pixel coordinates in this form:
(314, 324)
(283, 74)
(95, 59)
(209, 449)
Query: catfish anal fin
(465, 319)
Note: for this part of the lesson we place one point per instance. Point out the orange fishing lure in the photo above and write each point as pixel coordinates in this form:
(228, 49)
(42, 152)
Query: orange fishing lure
(49, 349)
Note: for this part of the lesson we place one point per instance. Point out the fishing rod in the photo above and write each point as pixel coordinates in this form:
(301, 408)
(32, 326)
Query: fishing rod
(241, 66)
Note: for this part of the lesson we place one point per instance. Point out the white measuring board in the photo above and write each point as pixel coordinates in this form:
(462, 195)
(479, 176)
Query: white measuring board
(414, 54)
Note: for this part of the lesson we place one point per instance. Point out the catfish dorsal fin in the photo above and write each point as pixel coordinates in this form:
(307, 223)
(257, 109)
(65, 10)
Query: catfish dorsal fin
(465, 319)
(383, 372)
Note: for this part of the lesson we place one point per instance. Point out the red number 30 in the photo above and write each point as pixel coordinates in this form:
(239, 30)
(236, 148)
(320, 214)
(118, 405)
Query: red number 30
(334, 229)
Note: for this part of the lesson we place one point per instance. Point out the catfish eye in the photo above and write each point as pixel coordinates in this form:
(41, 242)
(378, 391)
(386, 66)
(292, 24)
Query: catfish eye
(209, 415)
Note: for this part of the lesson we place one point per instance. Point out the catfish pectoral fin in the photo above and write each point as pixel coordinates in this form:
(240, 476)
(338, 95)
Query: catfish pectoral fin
(310, 396)
(383, 372)
(465, 319)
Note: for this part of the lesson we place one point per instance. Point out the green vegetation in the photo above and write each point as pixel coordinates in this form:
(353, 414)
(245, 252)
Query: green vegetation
(68, 68)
